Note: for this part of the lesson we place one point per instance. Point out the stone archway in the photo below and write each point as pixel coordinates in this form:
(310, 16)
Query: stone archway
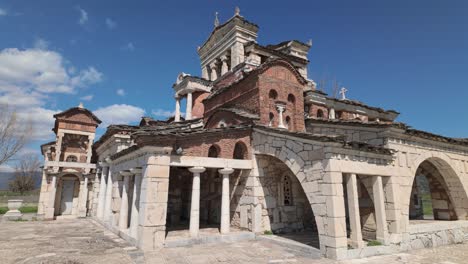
(448, 195)
(288, 209)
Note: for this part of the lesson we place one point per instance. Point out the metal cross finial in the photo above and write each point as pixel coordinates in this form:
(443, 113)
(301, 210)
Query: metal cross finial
(343, 93)
(80, 105)
(216, 22)
(237, 11)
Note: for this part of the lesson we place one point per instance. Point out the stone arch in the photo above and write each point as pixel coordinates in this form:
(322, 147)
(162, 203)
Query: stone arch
(448, 178)
(214, 151)
(291, 163)
(240, 151)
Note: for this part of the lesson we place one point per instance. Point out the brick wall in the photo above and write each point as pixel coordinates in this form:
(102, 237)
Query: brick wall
(197, 107)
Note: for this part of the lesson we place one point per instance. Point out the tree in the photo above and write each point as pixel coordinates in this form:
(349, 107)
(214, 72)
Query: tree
(26, 173)
(14, 133)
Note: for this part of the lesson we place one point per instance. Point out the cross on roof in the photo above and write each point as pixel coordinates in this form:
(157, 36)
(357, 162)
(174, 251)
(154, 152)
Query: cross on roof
(343, 93)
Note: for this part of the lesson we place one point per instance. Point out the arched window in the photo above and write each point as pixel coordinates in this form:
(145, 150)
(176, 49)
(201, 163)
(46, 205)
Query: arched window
(272, 118)
(213, 151)
(288, 122)
(72, 158)
(320, 114)
(240, 151)
(291, 98)
(273, 94)
(287, 191)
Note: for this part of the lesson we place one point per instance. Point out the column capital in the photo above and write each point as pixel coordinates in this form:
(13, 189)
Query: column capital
(226, 171)
(197, 169)
(125, 173)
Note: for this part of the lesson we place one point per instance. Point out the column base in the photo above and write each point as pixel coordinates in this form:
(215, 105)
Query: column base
(357, 244)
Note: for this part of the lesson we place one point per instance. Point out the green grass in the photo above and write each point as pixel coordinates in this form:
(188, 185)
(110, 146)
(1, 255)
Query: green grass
(373, 243)
(24, 209)
(267, 232)
(10, 193)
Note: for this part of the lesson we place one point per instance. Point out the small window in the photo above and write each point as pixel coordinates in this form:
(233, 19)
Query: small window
(287, 191)
(291, 98)
(222, 124)
(272, 118)
(273, 94)
(338, 115)
(72, 158)
(320, 114)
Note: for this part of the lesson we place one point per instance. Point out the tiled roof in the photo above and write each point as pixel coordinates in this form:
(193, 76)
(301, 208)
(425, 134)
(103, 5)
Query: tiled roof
(283, 43)
(239, 112)
(196, 79)
(277, 53)
(81, 110)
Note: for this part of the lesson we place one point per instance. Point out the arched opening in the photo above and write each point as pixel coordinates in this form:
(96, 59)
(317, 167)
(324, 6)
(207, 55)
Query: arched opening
(213, 151)
(289, 212)
(273, 94)
(431, 197)
(240, 151)
(320, 114)
(288, 122)
(291, 98)
(271, 119)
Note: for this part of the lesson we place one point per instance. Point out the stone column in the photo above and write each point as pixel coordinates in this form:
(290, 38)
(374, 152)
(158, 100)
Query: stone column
(153, 203)
(89, 151)
(83, 197)
(177, 109)
(281, 109)
(205, 73)
(102, 192)
(225, 201)
(108, 200)
(49, 214)
(353, 210)
(188, 110)
(224, 65)
(58, 146)
(214, 72)
(42, 205)
(135, 203)
(379, 204)
(195, 202)
(123, 217)
(331, 115)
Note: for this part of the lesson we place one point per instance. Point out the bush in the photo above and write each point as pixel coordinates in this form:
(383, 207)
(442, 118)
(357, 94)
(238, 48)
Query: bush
(28, 209)
(268, 232)
(373, 243)
(3, 210)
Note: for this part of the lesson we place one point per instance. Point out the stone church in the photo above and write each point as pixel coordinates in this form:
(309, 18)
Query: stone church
(259, 151)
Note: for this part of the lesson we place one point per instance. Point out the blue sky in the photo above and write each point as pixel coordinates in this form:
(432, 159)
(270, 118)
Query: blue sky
(120, 58)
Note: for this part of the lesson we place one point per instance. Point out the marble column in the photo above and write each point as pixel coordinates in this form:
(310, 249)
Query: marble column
(205, 73)
(281, 109)
(177, 109)
(188, 110)
(83, 197)
(332, 115)
(108, 200)
(225, 201)
(224, 65)
(195, 202)
(102, 192)
(58, 147)
(89, 151)
(135, 203)
(123, 216)
(353, 210)
(49, 214)
(214, 71)
(237, 54)
(379, 204)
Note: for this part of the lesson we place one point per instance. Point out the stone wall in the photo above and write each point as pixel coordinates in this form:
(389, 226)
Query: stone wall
(434, 234)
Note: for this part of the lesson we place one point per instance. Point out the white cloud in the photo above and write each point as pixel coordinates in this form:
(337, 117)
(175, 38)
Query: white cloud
(163, 113)
(121, 92)
(3, 12)
(28, 79)
(88, 97)
(129, 47)
(111, 24)
(83, 16)
(119, 114)
(41, 44)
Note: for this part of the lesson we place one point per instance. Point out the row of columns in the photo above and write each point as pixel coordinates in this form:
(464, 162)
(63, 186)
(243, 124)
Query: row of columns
(188, 108)
(195, 201)
(354, 215)
(104, 210)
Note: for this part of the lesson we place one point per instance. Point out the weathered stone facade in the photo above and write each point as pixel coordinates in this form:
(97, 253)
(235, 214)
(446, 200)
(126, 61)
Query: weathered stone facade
(260, 150)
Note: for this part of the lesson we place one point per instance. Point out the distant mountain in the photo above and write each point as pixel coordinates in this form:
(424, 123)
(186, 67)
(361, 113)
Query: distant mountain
(5, 177)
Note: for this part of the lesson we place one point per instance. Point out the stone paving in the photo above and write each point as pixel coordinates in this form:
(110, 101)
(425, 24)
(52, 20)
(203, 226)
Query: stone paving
(83, 241)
